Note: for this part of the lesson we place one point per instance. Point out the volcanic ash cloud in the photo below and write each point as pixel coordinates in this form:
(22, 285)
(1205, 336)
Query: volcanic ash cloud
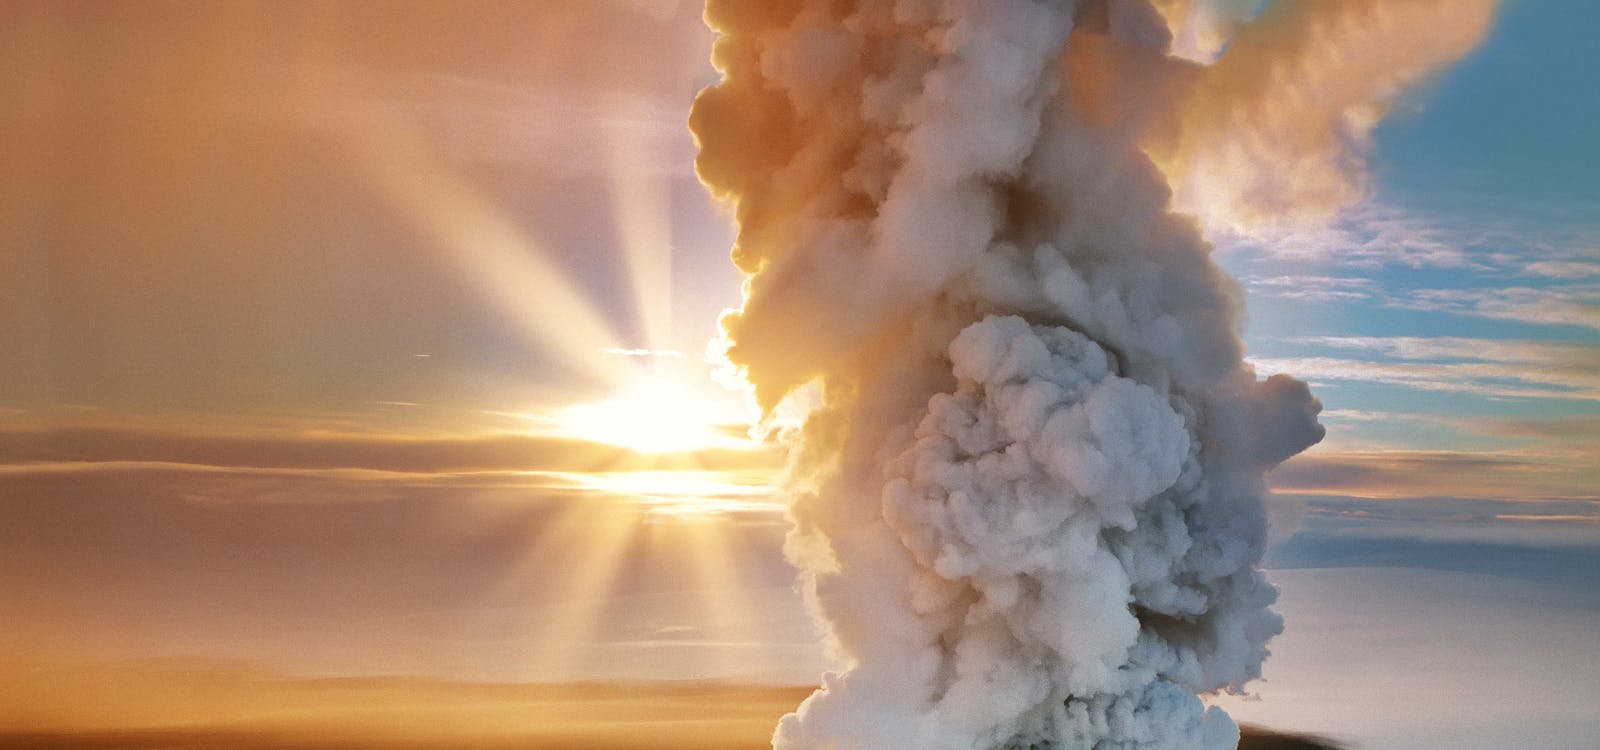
(1029, 506)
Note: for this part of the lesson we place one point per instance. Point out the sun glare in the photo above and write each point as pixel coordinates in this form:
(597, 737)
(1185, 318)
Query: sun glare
(655, 415)
(684, 492)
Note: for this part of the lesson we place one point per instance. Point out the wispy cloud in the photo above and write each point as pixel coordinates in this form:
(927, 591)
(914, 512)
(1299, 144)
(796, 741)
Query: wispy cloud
(1312, 288)
(1377, 234)
(1505, 475)
(1583, 427)
(1570, 305)
(84, 447)
(1499, 380)
(1368, 236)
(1490, 367)
(1563, 269)
(1504, 266)
(1567, 298)
(1518, 351)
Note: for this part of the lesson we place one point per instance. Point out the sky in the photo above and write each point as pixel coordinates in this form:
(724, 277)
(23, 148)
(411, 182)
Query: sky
(371, 339)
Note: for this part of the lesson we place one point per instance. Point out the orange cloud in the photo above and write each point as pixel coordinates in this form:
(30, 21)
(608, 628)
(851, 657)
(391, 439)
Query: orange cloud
(386, 453)
(1508, 475)
(1280, 125)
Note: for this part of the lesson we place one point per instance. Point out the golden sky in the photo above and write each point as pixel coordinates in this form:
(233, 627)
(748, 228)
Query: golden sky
(280, 208)
(337, 335)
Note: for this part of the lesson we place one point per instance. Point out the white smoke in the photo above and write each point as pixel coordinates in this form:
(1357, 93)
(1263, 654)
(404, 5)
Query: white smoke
(1030, 506)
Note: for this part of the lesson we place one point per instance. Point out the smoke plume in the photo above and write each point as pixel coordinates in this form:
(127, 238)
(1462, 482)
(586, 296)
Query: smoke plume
(1029, 507)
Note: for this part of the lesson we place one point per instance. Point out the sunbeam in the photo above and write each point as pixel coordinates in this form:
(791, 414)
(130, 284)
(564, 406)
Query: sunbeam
(510, 268)
(641, 210)
(661, 407)
(594, 538)
(726, 607)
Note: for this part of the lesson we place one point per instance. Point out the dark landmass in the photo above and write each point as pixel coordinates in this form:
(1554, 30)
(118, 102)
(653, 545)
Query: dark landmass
(219, 706)
(179, 739)
(1256, 738)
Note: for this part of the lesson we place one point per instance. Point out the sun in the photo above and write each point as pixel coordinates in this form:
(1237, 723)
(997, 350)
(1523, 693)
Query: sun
(656, 414)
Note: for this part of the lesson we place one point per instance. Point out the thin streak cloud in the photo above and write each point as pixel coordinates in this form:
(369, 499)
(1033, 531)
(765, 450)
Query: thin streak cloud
(1570, 305)
(1501, 475)
(1487, 379)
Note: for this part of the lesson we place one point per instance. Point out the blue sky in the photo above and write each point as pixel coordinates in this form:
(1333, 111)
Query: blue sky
(1511, 127)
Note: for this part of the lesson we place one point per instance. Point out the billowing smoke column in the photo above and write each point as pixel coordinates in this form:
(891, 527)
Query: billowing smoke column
(1029, 507)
